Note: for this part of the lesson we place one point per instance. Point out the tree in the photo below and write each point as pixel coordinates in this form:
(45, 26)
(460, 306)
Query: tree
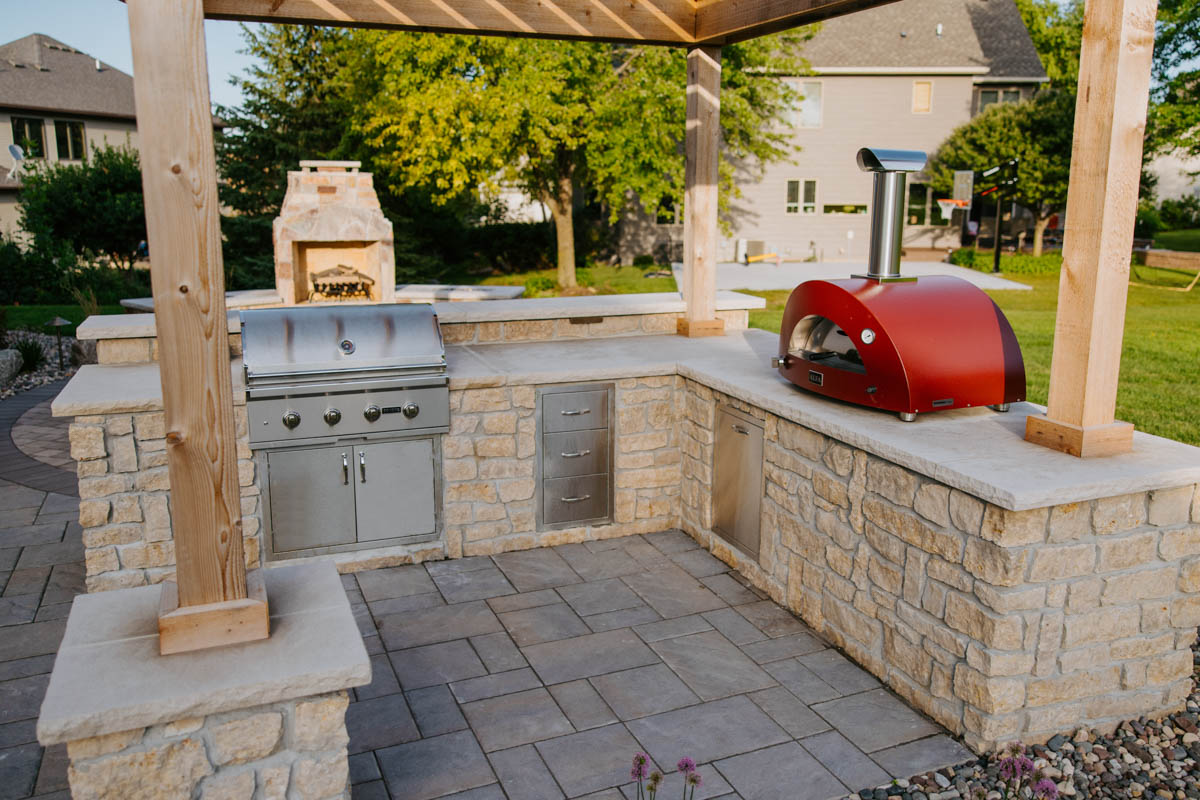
(1038, 132)
(1056, 30)
(1174, 120)
(454, 113)
(94, 206)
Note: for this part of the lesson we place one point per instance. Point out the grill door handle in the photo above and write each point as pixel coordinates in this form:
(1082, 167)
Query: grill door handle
(362, 465)
(576, 454)
(345, 470)
(744, 431)
(575, 412)
(578, 499)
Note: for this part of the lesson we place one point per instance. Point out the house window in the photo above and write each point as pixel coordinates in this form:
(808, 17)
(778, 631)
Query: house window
(845, 209)
(69, 137)
(922, 97)
(28, 134)
(807, 112)
(802, 203)
(918, 203)
(989, 97)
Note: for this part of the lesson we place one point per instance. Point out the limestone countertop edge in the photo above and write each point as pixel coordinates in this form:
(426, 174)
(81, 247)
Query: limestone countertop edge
(108, 676)
(141, 325)
(976, 451)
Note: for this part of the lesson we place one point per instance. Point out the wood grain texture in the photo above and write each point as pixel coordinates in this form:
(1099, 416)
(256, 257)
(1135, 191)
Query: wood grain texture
(1106, 161)
(698, 328)
(182, 629)
(179, 179)
(702, 145)
(650, 21)
(730, 21)
(1096, 441)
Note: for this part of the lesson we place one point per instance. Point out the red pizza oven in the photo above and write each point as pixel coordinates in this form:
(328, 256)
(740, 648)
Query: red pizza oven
(899, 344)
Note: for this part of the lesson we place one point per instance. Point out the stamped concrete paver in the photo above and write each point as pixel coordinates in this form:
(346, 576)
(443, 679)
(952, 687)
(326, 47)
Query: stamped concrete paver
(638, 643)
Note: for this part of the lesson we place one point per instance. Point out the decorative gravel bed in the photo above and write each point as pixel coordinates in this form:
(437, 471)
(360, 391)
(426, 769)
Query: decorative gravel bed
(1142, 758)
(48, 372)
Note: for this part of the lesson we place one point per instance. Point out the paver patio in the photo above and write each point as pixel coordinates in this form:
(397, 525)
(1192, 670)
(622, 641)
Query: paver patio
(528, 675)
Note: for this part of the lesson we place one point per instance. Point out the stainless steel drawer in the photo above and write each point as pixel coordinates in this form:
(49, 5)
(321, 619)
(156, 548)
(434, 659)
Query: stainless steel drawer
(574, 499)
(574, 453)
(574, 411)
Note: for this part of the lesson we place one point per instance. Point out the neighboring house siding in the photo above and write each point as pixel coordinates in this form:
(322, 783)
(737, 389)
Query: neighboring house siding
(1177, 176)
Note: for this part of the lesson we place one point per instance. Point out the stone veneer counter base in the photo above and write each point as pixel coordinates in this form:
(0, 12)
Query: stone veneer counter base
(109, 677)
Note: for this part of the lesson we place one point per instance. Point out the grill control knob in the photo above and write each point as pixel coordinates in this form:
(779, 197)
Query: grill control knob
(291, 419)
(372, 413)
(332, 416)
(410, 410)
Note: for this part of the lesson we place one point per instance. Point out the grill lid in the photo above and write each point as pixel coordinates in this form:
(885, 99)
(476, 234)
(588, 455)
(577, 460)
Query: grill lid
(316, 340)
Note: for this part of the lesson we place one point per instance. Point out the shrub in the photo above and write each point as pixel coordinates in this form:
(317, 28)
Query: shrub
(1148, 221)
(644, 261)
(539, 283)
(1180, 214)
(3, 328)
(32, 355)
(1010, 263)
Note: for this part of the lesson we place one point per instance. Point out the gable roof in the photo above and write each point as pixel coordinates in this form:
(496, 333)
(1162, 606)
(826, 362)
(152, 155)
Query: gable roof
(982, 37)
(40, 73)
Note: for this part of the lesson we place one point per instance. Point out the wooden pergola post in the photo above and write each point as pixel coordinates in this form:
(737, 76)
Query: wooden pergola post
(1106, 162)
(212, 601)
(702, 146)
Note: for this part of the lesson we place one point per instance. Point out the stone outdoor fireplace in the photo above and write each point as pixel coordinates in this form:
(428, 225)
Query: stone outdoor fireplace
(331, 240)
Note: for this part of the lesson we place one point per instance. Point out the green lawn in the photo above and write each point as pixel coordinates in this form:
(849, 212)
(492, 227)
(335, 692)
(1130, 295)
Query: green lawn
(600, 279)
(1179, 240)
(33, 318)
(1160, 365)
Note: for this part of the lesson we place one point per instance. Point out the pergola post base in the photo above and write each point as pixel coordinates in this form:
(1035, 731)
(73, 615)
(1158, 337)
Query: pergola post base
(1090, 441)
(187, 628)
(695, 328)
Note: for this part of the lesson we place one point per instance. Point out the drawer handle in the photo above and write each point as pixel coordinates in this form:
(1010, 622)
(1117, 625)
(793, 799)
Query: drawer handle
(362, 465)
(576, 454)
(579, 499)
(345, 471)
(741, 429)
(575, 412)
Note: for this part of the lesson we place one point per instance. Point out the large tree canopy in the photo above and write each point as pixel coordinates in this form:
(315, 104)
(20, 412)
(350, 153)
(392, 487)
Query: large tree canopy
(1174, 124)
(456, 113)
(1037, 132)
(1056, 30)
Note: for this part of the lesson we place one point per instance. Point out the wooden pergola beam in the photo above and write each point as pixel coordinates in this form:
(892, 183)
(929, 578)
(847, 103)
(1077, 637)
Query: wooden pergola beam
(211, 602)
(1102, 195)
(665, 22)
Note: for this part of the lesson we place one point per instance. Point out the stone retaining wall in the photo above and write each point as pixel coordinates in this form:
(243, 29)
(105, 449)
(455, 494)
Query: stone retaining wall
(124, 505)
(1001, 625)
(294, 750)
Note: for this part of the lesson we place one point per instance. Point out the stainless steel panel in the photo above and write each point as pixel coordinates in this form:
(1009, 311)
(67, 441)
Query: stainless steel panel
(574, 453)
(574, 499)
(312, 498)
(266, 415)
(574, 411)
(393, 484)
(340, 338)
(737, 479)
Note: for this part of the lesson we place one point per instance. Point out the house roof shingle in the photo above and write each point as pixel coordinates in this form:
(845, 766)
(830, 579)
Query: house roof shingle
(41, 73)
(981, 36)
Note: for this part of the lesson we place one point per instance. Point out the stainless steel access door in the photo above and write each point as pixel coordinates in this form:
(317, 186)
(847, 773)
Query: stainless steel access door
(737, 479)
(312, 497)
(394, 484)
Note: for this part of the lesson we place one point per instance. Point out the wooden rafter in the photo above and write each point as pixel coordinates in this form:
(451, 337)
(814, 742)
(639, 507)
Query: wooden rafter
(667, 22)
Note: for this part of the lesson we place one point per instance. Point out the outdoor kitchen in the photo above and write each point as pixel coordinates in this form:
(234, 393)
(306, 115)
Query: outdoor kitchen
(873, 470)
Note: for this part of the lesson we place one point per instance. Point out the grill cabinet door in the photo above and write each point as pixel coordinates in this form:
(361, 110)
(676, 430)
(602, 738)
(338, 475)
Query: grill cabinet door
(312, 498)
(737, 480)
(393, 482)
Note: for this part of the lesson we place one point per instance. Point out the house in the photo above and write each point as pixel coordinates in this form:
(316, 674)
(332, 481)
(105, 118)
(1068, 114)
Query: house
(57, 103)
(902, 76)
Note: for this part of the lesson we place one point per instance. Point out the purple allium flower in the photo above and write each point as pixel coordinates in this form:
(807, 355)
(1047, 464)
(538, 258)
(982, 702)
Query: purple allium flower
(686, 765)
(641, 767)
(1045, 789)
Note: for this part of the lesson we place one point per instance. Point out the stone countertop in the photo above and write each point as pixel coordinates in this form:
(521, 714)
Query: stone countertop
(109, 676)
(141, 326)
(979, 451)
(123, 389)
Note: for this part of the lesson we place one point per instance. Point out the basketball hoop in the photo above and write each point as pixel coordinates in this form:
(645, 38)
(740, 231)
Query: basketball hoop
(947, 207)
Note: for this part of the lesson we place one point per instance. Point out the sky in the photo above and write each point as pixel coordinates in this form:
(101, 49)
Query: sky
(100, 28)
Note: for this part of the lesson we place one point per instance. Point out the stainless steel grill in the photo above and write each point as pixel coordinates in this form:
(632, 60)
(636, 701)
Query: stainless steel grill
(345, 404)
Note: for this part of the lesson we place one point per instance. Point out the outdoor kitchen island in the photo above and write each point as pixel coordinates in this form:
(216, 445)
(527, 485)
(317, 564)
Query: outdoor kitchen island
(1007, 590)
